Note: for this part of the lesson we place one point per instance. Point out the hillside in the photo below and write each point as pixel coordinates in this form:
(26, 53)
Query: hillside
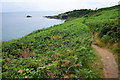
(104, 26)
(71, 14)
(64, 50)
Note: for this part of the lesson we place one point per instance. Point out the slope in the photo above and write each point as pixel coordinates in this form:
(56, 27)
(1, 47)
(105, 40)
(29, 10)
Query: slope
(60, 51)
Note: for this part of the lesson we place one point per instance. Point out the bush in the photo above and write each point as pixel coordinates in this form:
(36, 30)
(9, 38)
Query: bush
(106, 38)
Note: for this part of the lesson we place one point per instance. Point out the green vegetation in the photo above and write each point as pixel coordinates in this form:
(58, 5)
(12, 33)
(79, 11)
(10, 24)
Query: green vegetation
(104, 25)
(61, 51)
(72, 14)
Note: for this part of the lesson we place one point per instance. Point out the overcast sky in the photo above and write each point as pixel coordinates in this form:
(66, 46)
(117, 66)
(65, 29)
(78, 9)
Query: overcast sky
(53, 5)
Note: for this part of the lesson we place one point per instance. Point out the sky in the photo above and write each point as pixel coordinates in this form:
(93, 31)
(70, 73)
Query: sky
(53, 5)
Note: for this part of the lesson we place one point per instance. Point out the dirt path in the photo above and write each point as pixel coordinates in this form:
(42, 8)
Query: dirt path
(110, 68)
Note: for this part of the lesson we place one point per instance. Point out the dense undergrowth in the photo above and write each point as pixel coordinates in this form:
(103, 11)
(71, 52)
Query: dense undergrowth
(104, 26)
(60, 51)
(72, 14)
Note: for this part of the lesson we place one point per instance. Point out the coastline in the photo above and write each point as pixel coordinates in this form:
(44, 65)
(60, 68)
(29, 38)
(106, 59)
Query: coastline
(53, 17)
(16, 25)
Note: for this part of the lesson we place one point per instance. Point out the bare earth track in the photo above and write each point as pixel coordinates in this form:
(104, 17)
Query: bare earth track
(110, 68)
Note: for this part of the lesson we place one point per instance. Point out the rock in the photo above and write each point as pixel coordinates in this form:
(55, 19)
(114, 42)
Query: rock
(28, 16)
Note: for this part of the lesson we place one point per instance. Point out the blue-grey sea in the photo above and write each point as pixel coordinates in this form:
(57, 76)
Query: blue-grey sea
(16, 24)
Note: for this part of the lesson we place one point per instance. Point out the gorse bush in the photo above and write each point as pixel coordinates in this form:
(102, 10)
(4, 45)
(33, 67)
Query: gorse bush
(110, 29)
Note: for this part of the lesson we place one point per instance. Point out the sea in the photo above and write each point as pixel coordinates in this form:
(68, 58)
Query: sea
(16, 25)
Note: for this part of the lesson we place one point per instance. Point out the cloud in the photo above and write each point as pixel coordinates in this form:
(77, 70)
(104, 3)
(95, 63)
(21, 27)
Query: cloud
(55, 5)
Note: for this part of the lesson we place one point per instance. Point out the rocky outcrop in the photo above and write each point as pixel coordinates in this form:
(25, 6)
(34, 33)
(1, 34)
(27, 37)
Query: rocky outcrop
(28, 16)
